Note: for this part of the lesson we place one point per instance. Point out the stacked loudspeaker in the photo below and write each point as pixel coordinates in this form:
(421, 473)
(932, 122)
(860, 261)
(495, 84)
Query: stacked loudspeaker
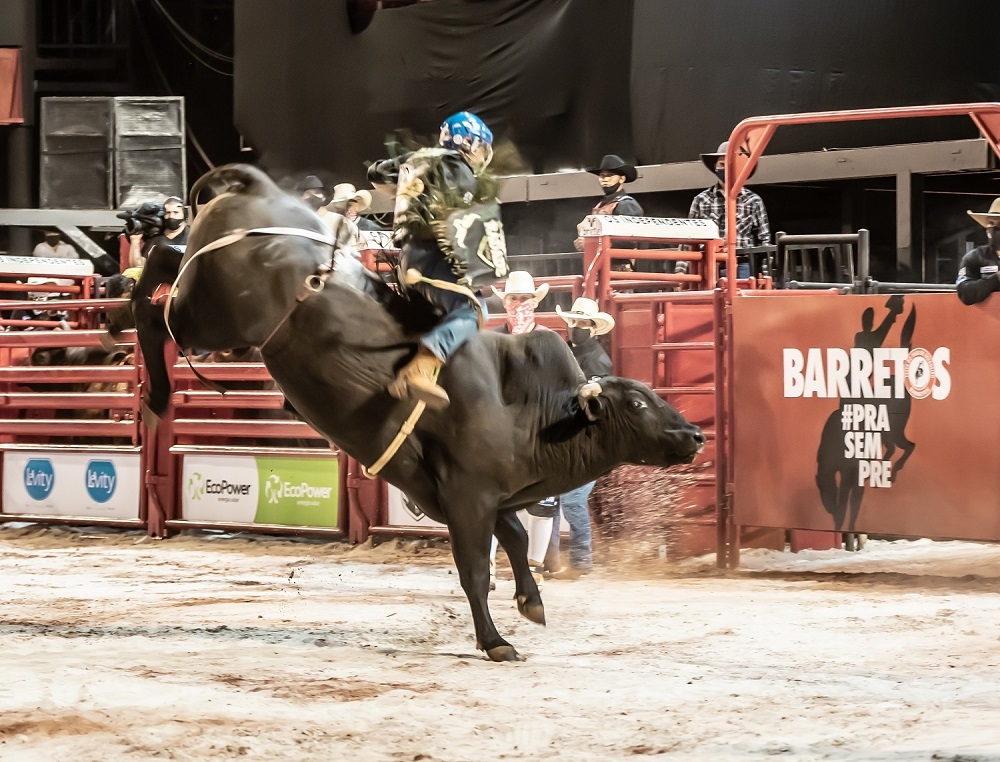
(105, 153)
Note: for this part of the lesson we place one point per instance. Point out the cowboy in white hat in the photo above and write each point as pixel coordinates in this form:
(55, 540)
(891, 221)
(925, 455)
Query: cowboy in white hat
(584, 323)
(978, 273)
(520, 299)
(752, 225)
(351, 202)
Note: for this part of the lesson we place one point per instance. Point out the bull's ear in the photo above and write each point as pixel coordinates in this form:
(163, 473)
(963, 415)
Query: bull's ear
(590, 400)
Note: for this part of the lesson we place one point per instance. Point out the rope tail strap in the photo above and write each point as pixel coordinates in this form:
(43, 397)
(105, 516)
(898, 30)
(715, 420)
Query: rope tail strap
(404, 431)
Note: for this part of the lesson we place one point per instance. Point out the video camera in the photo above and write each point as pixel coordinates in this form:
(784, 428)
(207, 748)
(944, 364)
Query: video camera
(147, 219)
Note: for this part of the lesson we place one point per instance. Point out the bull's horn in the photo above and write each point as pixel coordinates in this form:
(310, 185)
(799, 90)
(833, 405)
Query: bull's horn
(590, 389)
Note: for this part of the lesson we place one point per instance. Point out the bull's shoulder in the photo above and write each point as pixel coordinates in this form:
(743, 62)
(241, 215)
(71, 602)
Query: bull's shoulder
(532, 365)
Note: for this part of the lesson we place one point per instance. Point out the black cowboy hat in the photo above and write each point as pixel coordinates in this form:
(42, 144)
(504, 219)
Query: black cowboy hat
(612, 163)
(311, 182)
(709, 159)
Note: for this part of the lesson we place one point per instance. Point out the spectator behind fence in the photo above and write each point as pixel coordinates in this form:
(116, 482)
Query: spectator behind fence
(520, 299)
(584, 323)
(54, 247)
(350, 202)
(752, 226)
(979, 273)
(612, 173)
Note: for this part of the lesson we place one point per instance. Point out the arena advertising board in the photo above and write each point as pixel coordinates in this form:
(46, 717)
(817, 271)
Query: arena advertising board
(257, 490)
(97, 485)
(867, 413)
(403, 512)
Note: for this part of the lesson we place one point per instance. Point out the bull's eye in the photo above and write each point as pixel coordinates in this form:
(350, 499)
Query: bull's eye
(636, 404)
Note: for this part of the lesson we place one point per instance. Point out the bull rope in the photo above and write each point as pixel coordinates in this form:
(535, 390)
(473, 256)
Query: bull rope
(404, 431)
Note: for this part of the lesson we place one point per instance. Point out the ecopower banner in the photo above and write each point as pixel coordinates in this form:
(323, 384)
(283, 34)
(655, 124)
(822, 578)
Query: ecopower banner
(870, 413)
(256, 490)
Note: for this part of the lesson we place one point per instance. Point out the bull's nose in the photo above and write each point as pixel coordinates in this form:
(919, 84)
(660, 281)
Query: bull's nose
(699, 439)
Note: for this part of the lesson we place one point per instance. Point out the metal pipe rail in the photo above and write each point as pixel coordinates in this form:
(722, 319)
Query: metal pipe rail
(795, 285)
(69, 305)
(67, 400)
(78, 374)
(882, 287)
(202, 398)
(48, 339)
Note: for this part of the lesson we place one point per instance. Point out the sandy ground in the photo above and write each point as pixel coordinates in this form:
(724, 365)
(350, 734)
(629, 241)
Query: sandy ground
(116, 647)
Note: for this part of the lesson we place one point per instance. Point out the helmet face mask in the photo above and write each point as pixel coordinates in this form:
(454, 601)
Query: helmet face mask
(468, 134)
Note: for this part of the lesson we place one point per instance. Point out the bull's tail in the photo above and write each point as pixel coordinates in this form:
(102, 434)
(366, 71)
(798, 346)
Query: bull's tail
(152, 341)
(242, 178)
(119, 321)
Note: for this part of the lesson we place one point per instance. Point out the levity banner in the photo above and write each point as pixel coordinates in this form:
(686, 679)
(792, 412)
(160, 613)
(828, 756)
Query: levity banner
(403, 512)
(100, 485)
(867, 413)
(251, 490)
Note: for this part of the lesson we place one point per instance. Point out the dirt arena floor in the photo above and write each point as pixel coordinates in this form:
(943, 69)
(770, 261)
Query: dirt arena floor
(117, 647)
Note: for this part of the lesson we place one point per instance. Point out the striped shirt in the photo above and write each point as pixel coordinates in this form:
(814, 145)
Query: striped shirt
(752, 227)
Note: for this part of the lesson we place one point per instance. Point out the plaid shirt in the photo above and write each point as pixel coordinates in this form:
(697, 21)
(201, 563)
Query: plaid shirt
(752, 228)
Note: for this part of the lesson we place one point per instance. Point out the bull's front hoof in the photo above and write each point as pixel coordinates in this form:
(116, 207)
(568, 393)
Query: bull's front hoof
(504, 653)
(533, 612)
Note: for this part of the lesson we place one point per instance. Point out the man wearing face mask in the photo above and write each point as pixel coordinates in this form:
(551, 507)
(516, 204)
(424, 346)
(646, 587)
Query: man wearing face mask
(520, 299)
(752, 226)
(54, 247)
(584, 323)
(612, 173)
(174, 234)
(311, 192)
(979, 273)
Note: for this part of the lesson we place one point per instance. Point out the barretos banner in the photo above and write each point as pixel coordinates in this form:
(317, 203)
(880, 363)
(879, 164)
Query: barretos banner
(251, 490)
(874, 414)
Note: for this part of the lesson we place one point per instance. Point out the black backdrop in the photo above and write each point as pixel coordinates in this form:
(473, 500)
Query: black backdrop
(569, 80)
(550, 74)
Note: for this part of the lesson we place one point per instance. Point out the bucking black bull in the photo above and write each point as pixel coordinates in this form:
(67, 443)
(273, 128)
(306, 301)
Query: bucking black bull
(522, 424)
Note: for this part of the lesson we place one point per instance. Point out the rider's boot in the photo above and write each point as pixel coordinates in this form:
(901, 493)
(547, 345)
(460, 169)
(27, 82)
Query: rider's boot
(418, 380)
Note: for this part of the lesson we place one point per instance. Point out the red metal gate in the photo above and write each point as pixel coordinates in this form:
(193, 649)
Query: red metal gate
(746, 145)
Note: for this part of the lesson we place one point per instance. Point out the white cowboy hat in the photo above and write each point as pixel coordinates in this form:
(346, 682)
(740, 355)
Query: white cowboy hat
(587, 309)
(347, 192)
(991, 217)
(520, 282)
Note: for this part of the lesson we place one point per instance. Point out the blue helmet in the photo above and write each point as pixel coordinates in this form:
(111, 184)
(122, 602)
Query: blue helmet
(465, 132)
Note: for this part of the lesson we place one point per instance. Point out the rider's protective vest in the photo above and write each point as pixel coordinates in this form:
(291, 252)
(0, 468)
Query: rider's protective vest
(440, 198)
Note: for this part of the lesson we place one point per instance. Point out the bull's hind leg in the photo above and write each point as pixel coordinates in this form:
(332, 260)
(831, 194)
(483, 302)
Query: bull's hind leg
(510, 532)
(470, 546)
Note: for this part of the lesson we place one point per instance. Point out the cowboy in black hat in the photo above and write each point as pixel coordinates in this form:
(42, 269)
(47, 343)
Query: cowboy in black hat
(612, 174)
(311, 191)
(752, 226)
(979, 273)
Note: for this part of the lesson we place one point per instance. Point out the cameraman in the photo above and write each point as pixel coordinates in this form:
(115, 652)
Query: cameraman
(173, 233)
